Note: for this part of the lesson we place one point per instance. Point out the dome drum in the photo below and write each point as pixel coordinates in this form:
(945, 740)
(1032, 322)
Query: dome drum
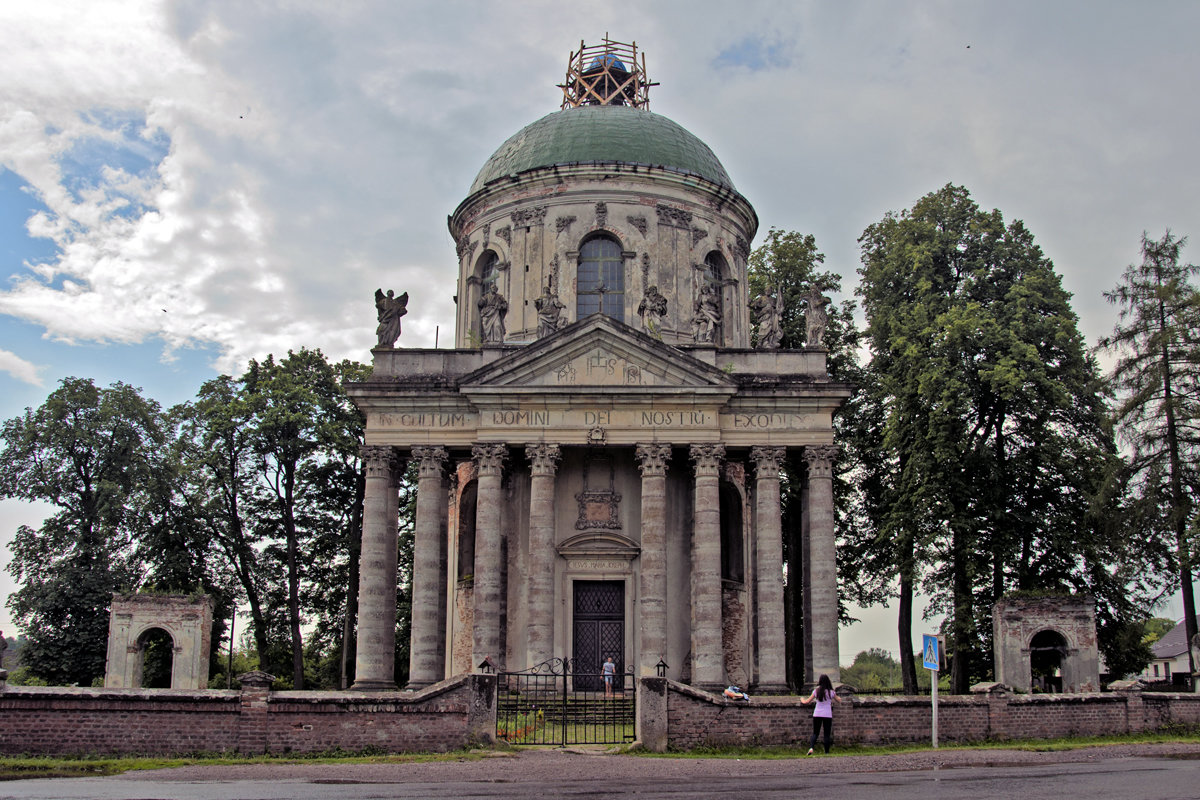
(657, 230)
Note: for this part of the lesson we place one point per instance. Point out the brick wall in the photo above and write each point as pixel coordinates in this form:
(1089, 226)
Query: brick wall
(733, 633)
(56, 720)
(696, 718)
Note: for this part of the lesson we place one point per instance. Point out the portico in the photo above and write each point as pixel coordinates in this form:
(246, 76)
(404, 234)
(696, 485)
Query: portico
(598, 455)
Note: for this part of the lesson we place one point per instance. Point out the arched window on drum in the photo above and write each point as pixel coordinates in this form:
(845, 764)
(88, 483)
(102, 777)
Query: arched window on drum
(600, 281)
(713, 275)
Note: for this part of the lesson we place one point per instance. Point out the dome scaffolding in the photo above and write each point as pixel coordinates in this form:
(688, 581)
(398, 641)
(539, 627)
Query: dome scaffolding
(607, 74)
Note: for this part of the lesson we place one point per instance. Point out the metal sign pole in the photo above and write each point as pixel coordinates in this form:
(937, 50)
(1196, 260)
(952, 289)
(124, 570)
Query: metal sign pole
(932, 662)
(933, 674)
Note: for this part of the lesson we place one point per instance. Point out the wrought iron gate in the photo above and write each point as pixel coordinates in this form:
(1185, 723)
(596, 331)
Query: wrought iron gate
(552, 703)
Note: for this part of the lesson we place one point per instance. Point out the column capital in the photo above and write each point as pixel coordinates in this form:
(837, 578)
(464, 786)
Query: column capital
(652, 458)
(430, 461)
(767, 460)
(543, 457)
(489, 456)
(707, 458)
(820, 459)
(379, 460)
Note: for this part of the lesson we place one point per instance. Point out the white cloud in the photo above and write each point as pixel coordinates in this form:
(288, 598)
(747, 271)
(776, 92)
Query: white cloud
(20, 369)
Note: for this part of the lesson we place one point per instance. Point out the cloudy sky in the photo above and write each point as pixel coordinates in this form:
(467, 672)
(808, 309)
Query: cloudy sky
(184, 186)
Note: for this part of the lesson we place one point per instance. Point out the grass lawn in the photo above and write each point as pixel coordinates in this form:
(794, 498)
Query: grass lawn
(21, 767)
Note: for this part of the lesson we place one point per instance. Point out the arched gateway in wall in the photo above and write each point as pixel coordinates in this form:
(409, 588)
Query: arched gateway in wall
(138, 619)
(599, 455)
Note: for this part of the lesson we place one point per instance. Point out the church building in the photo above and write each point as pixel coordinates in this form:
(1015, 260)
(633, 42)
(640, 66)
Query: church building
(599, 454)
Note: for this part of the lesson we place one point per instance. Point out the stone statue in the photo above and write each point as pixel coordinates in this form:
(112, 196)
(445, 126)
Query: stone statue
(549, 311)
(707, 316)
(390, 309)
(492, 310)
(817, 316)
(770, 333)
(652, 309)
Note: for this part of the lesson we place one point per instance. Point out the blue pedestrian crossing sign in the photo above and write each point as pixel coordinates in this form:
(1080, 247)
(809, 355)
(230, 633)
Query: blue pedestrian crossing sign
(929, 647)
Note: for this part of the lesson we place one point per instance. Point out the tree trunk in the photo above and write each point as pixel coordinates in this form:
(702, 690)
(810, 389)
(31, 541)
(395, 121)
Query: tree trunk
(293, 566)
(354, 546)
(961, 669)
(908, 665)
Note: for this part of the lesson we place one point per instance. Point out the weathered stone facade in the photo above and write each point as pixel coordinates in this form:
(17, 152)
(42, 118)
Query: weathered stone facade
(1057, 633)
(187, 620)
(612, 466)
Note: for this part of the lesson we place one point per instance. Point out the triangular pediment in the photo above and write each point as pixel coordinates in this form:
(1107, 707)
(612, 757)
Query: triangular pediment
(598, 352)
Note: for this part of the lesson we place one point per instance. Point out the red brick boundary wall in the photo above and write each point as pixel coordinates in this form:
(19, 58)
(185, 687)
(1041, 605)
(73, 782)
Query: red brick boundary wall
(57, 720)
(695, 718)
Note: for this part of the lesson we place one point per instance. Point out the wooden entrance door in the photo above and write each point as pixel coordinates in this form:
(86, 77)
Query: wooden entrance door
(599, 631)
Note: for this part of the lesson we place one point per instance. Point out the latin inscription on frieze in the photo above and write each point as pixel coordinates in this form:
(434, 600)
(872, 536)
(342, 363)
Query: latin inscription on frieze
(424, 420)
(580, 418)
(768, 421)
(598, 565)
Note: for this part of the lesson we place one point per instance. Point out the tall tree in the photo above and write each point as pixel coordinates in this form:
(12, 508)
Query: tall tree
(300, 419)
(1157, 378)
(995, 428)
(91, 453)
(218, 484)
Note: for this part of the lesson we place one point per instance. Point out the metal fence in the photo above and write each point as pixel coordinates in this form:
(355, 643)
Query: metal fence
(556, 703)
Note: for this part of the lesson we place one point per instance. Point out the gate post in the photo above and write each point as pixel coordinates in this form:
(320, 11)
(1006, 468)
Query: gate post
(652, 714)
(481, 708)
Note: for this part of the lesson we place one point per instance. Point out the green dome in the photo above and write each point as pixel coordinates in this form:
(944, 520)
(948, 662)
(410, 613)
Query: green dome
(589, 134)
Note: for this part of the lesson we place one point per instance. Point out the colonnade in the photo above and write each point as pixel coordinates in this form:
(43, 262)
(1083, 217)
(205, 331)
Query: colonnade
(377, 592)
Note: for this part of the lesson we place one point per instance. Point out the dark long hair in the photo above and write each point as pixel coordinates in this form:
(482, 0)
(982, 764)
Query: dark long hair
(824, 688)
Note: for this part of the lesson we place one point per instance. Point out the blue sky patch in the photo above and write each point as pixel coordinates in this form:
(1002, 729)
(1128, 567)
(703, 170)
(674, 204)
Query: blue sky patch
(755, 53)
(133, 148)
(135, 364)
(18, 202)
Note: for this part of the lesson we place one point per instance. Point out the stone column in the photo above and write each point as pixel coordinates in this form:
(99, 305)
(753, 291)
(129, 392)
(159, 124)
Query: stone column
(768, 527)
(708, 663)
(486, 634)
(426, 638)
(822, 561)
(543, 464)
(652, 623)
(375, 664)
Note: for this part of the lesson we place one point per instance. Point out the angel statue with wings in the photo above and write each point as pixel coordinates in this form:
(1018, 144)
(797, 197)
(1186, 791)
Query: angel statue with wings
(390, 309)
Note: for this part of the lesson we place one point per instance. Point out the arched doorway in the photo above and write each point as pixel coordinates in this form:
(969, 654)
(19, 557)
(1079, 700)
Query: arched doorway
(1047, 651)
(156, 659)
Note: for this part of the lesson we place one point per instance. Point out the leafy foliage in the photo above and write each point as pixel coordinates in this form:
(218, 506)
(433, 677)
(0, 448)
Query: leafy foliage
(93, 453)
(1157, 380)
(995, 435)
(252, 493)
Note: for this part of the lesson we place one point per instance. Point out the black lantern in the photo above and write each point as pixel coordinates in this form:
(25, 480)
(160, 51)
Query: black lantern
(661, 668)
(486, 666)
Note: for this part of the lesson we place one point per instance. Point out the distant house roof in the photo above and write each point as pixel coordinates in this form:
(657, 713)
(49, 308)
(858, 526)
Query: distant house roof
(1172, 644)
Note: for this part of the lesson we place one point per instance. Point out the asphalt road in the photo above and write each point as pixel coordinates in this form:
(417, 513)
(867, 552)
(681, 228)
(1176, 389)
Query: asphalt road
(1157, 772)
